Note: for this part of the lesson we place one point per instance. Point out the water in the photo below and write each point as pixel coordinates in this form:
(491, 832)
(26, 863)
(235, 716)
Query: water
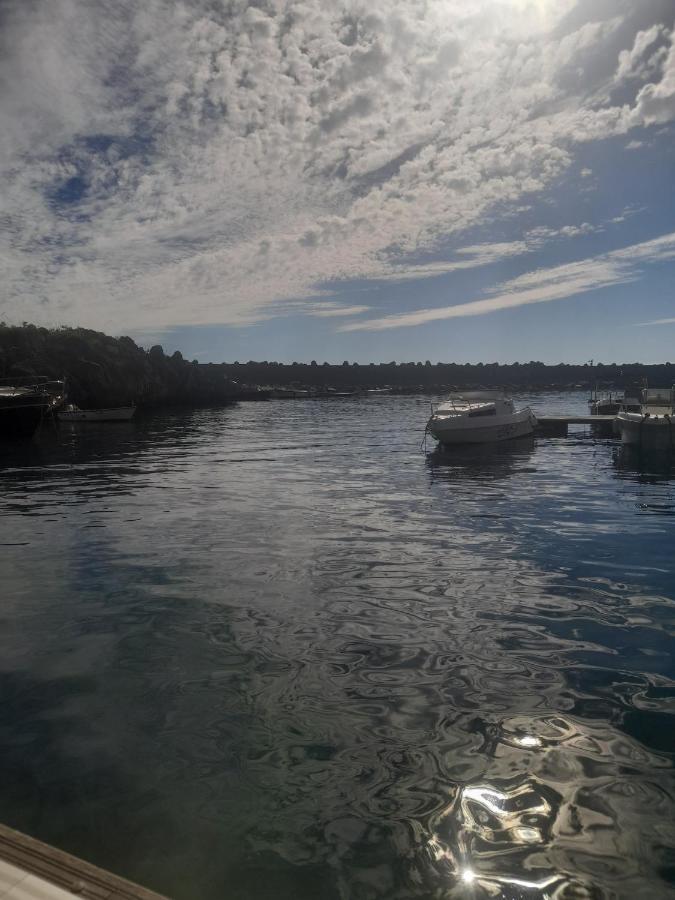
(277, 651)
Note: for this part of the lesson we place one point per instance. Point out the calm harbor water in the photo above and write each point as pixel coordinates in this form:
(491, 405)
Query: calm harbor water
(279, 651)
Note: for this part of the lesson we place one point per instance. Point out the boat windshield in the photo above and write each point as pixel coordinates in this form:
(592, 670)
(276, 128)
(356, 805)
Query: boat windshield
(473, 396)
(489, 409)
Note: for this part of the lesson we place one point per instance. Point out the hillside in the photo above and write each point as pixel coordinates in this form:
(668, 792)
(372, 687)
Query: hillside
(104, 371)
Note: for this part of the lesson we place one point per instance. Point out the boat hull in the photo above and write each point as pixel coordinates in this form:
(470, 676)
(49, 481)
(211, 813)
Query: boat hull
(118, 414)
(653, 432)
(24, 403)
(464, 430)
(17, 423)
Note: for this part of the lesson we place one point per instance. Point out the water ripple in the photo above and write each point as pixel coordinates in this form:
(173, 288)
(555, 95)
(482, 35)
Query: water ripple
(337, 666)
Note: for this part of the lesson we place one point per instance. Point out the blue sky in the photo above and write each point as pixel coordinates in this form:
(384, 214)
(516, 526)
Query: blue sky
(453, 180)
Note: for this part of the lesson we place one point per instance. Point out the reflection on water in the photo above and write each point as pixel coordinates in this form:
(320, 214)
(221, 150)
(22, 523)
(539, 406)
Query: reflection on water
(646, 465)
(328, 665)
(481, 463)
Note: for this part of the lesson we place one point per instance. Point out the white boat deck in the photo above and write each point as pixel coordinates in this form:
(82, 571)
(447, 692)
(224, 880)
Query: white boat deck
(32, 870)
(17, 884)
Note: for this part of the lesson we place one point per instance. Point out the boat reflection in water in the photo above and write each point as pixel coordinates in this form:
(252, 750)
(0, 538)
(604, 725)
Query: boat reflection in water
(650, 466)
(480, 461)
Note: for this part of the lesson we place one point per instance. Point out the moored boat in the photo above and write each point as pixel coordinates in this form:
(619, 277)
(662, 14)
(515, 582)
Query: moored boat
(72, 413)
(653, 426)
(479, 417)
(610, 403)
(25, 403)
(286, 393)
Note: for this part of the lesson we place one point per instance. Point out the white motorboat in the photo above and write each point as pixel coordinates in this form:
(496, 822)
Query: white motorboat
(72, 413)
(653, 426)
(479, 417)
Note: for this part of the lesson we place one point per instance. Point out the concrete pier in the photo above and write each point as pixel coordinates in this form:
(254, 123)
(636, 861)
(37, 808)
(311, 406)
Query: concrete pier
(558, 425)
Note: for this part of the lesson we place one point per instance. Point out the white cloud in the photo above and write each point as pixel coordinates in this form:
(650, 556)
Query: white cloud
(541, 285)
(478, 255)
(634, 63)
(230, 158)
(331, 310)
(658, 322)
(655, 103)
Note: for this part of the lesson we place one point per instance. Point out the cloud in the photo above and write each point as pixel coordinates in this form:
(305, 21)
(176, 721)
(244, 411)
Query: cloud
(205, 162)
(658, 322)
(635, 63)
(655, 103)
(331, 310)
(485, 254)
(541, 285)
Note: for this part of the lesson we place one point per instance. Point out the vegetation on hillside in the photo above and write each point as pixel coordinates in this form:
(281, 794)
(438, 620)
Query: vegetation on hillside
(418, 376)
(104, 371)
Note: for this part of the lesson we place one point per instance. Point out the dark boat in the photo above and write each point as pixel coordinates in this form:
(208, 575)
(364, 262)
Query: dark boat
(25, 403)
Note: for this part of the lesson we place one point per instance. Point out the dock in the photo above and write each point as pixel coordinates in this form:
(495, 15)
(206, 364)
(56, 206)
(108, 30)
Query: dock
(32, 870)
(558, 425)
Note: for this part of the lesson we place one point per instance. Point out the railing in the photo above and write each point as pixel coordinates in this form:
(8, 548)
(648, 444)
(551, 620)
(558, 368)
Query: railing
(658, 396)
(41, 384)
(460, 401)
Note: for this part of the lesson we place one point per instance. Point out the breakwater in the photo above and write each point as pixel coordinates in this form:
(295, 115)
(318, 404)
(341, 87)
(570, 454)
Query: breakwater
(105, 371)
(416, 377)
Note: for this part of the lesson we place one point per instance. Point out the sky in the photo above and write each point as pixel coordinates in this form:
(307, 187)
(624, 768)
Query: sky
(451, 180)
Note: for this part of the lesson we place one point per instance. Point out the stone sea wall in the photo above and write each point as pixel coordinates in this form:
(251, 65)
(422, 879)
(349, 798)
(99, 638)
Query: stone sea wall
(418, 376)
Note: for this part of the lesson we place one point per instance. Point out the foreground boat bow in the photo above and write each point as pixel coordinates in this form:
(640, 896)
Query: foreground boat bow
(25, 402)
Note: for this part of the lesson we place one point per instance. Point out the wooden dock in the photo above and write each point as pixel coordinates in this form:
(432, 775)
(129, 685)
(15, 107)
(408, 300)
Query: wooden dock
(31, 870)
(558, 425)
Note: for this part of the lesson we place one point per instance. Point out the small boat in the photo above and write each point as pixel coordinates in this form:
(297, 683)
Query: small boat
(25, 403)
(653, 426)
(610, 403)
(72, 413)
(479, 417)
(286, 393)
